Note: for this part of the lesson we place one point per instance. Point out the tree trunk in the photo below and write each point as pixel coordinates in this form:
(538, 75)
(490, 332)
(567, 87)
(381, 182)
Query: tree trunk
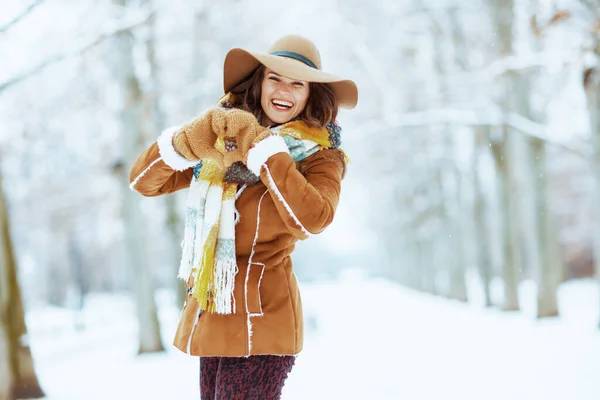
(173, 222)
(419, 265)
(483, 255)
(133, 139)
(509, 235)
(548, 276)
(58, 266)
(175, 235)
(591, 82)
(81, 280)
(502, 148)
(454, 253)
(592, 90)
(531, 202)
(535, 214)
(411, 268)
(427, 266)
(17, 374)
(541, 239)
(451, 179)
(458, 287)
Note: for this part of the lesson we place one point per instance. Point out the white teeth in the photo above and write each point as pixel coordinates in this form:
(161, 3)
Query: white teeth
(282, 103)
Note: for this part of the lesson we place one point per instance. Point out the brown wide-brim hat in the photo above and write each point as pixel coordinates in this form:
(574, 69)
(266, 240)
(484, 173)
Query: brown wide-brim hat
(294, 57)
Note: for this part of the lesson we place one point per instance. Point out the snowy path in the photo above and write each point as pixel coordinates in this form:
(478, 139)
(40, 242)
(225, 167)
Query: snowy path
(366, 339)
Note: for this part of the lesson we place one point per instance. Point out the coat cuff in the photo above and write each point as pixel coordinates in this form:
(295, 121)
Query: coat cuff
(168, 153)
(260, 153)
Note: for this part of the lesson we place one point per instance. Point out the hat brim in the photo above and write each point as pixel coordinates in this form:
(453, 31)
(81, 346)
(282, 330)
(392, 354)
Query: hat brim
(240, 63)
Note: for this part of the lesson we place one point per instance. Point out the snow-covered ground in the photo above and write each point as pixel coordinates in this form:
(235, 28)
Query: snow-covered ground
(365, 339)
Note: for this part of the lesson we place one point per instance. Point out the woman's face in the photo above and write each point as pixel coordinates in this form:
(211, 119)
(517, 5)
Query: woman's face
(282, 99)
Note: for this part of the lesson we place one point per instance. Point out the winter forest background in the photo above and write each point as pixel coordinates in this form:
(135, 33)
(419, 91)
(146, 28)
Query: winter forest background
(460, 263)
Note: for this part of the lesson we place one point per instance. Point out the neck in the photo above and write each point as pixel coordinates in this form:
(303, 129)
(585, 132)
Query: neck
(266, 121)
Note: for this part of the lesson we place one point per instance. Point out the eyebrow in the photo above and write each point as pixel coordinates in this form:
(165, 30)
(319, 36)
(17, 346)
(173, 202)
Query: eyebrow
(276, 74)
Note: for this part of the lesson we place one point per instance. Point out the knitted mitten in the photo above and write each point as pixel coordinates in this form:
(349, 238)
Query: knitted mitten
(196, 139)
(244, 127)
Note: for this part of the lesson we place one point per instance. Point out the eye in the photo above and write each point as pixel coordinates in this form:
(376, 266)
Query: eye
(274, 78)
(298, 84)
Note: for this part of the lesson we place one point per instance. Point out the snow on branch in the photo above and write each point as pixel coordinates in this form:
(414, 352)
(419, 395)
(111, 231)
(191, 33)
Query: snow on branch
(592, 6)
(523, 62)
(468, 117)
(77, 52)
(20, 16)
(539, 131)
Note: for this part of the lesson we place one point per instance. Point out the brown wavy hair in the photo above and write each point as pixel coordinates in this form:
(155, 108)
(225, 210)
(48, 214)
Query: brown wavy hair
(321, 106)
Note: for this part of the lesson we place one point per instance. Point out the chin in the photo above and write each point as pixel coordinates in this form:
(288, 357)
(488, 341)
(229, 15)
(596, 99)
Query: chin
(280, 119)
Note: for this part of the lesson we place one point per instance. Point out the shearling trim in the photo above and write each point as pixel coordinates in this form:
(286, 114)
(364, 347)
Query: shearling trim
(168, 153)
(260, 153)
(248, 314)
(189, 343)
(262, 272)
(237, 195)
(275, 190)
(137, 178)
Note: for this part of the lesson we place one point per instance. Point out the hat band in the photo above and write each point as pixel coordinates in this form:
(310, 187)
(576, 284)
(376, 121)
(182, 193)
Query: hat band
(295, 56)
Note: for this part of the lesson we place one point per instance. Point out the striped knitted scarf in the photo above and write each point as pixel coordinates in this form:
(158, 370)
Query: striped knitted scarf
(209, 238)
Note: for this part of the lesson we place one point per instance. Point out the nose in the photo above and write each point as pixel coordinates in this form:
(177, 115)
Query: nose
(284, 87)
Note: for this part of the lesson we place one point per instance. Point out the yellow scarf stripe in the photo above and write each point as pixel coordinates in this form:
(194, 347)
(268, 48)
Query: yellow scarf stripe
(300, 130)
(203, 284)
(229, 191)
(211, 172)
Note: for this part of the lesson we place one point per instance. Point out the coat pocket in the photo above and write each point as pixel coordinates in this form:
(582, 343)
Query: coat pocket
(253, 279)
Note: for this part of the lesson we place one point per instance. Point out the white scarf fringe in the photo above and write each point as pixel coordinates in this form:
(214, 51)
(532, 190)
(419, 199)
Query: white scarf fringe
(206, 208)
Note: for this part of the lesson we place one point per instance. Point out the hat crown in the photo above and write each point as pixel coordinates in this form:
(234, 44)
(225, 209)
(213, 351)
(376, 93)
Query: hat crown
(300, 45)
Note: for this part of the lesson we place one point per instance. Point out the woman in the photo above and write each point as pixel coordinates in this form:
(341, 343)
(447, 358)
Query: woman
(264, 170)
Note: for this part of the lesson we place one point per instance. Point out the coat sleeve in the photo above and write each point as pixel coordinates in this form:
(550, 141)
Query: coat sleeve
(306, 196)
(160, 169)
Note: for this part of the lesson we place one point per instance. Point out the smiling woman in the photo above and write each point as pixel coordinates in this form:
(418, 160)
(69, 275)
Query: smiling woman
(264, 170)
(282, 99)
(313, 102)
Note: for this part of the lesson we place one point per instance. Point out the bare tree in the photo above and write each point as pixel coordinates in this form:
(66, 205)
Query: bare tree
(445, 31)
(591, 82)
(480, 211)
(21, 15)
(502, 149)
(36, 69)
(174, 223)
(132, 115)
(541, 238)
(547, 275)
(18, 379)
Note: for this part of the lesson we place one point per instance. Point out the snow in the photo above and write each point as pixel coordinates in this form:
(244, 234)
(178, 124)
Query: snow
(366, 338)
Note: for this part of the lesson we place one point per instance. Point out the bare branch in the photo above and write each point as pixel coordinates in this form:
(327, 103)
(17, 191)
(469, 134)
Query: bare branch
(23, 14)
(591, 5)
(467, 117)
(58, 58)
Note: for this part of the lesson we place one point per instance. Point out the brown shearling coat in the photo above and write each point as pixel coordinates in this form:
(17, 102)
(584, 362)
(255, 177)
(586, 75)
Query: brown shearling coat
(291, 202)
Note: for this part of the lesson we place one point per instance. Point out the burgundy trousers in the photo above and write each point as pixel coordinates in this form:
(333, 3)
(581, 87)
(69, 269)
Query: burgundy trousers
(244, 378)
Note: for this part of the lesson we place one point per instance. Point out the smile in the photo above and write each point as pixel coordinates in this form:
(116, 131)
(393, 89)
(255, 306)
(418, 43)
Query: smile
(282, 105)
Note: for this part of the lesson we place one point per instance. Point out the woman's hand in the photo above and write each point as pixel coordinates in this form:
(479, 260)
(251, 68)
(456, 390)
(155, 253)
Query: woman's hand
(245, 129)
(196, 139)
